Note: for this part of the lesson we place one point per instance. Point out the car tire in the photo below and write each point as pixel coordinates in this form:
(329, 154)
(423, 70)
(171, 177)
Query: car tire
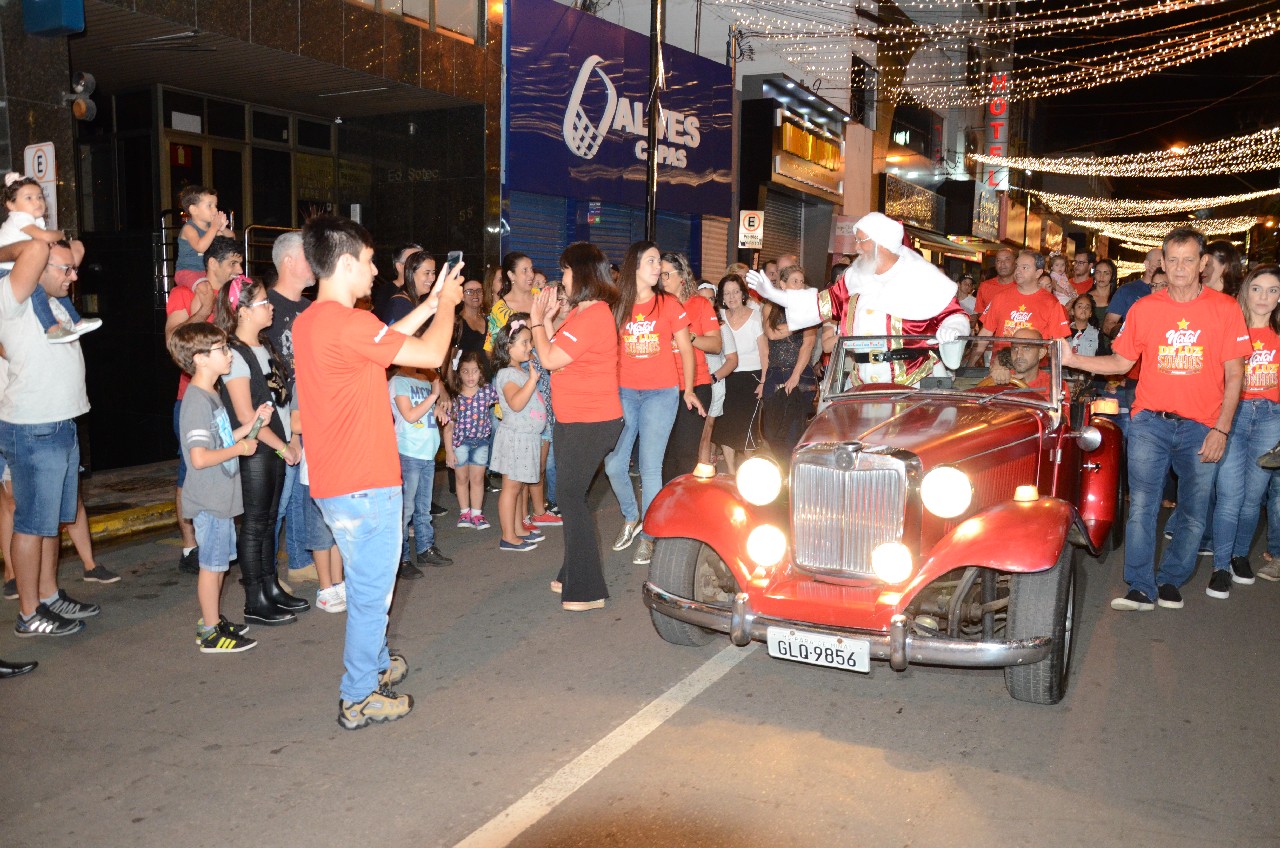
(1043, 603)
(680, 566)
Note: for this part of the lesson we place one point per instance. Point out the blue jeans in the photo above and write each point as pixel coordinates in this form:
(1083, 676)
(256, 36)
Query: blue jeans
(418, 474)
(44, 460)
(1155, 445)
(293, 515)
(647, 414)
(366, 526)
(1254, 431)
(44, 312)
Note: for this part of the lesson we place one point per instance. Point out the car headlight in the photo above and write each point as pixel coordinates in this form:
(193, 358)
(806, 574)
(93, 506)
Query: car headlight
(759, 480)
(891, 562)
(766, 545)
(946, 492)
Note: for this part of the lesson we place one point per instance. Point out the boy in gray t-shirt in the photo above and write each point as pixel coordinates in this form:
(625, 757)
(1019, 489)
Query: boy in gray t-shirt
(211, 495)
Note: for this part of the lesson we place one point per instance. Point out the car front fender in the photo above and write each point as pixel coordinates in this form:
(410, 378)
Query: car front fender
(711, 511)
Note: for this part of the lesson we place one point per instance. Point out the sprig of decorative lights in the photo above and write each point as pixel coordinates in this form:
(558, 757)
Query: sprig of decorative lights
(1105, 207)
(1140, 230)
(1258, 151)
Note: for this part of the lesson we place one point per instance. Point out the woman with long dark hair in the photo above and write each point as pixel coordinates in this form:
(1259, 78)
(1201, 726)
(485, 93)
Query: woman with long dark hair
(789, 383)
(650, 323)
(1222, 271)
(257, 376)
(516, 294)
(582, 356)
(419, 278)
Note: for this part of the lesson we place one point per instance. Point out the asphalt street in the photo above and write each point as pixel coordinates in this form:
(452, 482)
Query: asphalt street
(536, 727)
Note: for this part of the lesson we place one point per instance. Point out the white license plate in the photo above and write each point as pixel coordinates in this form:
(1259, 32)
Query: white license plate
(820, 649)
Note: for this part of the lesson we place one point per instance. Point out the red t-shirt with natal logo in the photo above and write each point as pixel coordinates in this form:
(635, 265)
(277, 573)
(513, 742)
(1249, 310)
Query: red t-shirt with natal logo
(702, 320)
(646, 338)
(987, 291)
(1011, 310)
(1260, 370)
(1182, 348)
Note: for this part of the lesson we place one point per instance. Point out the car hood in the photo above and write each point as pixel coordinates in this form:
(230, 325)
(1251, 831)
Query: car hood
(937, 429)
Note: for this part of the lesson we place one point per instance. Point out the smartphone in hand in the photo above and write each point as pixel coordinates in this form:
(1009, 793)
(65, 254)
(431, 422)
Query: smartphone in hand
(453, 260)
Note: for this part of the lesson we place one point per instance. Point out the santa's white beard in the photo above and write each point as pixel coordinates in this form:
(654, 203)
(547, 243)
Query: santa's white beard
(864, 264)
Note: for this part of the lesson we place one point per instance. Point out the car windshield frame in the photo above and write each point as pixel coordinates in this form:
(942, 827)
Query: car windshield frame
(964, 381)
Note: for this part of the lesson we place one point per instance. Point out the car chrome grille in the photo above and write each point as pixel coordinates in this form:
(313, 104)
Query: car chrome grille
(844, 502)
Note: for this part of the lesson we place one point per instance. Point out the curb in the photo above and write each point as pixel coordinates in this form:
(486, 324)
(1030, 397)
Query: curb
(126, 522)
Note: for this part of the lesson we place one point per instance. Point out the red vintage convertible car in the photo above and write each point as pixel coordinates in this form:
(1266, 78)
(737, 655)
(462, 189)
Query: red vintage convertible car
(936, 525)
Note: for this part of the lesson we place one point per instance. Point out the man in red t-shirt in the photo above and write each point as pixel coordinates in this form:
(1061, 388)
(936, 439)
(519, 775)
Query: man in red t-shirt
(341, 355)
(1192, 343)
(1081, 271)
(1022, 305)
(189, 305)
(1005, 263)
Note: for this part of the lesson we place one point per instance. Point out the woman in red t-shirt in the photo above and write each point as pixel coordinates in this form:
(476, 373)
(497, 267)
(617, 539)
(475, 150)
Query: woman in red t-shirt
(650, 322)
(582, 357)
(704, 333)
(1255, 428)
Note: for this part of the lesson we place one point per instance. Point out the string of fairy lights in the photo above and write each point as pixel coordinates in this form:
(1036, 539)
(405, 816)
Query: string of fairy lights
(946, 42)
(1106, 207)
(1137, 230)
(1259, 151)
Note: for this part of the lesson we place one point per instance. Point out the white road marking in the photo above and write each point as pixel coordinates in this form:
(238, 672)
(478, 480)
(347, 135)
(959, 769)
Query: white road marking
(542, 799)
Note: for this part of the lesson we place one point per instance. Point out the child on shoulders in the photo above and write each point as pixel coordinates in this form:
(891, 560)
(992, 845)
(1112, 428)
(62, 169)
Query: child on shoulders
(205, 222)
(24, 198)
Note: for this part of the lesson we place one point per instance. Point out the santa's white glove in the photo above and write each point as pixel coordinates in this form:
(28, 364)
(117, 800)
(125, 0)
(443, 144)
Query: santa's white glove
(952, 328)
(762, 285)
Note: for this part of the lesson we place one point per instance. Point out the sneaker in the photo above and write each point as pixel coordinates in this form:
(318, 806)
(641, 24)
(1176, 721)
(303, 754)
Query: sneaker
(1270, 571)
(627, 535)
(11, 590)
(433, 556)
(396, 672)
(1134, 600)
(342, 590)
(465, 522)
(190, 563)
(504, 545)
(223, 621)
(408, 571)
(1271, 459)
(382, 704)
(547, 519)
(478, 521)
(331, 600)
(527, 525)
(224, 640)
(1219, 584)
(61, 335)
(45, 622)
(99, 574)
(69, 607)
(437, 509)
(644, 552)
(1241, 571)
(1205, 551)
(554, 509)
(534, 536)
(1169, 596)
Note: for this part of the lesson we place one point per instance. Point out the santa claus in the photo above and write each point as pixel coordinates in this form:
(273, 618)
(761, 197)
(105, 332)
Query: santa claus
(889, 290)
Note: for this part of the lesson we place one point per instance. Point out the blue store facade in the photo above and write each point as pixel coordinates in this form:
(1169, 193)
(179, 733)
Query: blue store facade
(575, 144)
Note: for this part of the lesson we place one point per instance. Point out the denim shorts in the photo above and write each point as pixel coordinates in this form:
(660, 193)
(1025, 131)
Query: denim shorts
(472, 454)
(44, 460)
(216, 538)
(182, 462)
(318, 537)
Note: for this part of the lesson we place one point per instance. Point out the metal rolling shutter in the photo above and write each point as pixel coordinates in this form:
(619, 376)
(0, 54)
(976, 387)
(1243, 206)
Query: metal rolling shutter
(715, 247)
(539, 228)
(783, 226)
(619, 226)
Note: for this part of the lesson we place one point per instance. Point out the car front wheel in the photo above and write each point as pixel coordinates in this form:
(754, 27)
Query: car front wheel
(1043, 604)
(690, 569)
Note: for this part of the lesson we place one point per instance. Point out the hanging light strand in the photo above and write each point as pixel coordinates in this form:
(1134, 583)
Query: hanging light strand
(1136, 230)
(1107, 207)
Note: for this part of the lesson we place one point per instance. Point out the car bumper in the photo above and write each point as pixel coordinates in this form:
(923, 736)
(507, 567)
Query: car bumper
(898, 646)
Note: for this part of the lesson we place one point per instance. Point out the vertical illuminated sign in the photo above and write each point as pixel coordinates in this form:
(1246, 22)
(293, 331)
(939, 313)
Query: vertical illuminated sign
(994, 177)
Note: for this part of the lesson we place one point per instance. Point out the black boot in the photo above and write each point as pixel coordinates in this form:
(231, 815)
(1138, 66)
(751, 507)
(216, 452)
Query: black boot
(279, 597)
(259, 609)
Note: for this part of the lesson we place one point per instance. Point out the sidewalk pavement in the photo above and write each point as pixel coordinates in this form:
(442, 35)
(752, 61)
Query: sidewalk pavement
(131, 500)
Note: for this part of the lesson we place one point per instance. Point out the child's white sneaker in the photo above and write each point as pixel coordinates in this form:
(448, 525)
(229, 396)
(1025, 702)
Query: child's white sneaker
(333, 599)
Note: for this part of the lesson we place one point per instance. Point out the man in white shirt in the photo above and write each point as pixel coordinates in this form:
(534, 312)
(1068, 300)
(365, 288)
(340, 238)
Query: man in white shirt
(46, 392)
